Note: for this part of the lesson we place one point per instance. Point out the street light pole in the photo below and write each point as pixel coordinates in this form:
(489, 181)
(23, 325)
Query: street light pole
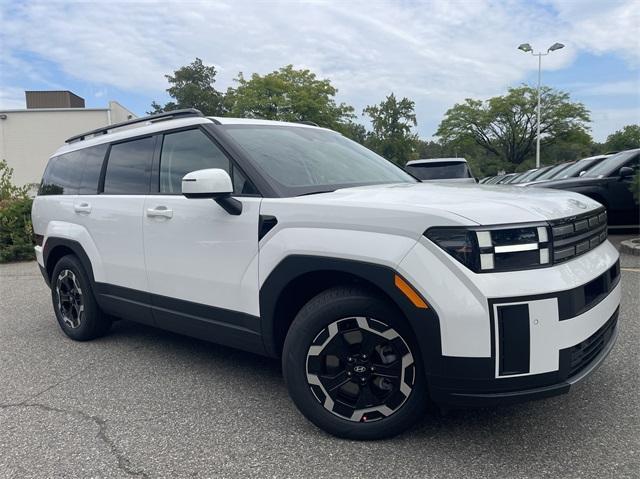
(538, 121)
(525, 47)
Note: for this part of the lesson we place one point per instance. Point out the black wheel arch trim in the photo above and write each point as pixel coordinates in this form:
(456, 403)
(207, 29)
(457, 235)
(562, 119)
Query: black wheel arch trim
(423, 322)
(54, 242)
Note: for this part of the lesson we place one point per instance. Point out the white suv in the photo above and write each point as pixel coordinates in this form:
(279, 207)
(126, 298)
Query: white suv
(288, 240)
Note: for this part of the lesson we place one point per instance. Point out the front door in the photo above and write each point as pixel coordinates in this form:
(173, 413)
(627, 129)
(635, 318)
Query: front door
(202, 262)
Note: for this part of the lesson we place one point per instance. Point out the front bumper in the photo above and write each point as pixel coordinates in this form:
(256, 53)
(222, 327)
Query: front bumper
(482, 393)
(509, 337)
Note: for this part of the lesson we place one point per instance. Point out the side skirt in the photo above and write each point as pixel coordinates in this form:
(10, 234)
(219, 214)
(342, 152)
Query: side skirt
(217, 325)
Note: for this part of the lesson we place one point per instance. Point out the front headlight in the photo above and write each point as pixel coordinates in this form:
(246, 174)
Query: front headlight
(494, 249)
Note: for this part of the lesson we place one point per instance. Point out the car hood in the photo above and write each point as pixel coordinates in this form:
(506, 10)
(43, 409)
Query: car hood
(481, 204)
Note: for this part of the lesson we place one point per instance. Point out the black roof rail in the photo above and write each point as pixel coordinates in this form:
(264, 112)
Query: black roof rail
(167, 115)
(310, 123)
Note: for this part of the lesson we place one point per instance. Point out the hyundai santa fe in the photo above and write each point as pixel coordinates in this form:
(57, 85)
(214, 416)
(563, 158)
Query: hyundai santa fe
(380, 294)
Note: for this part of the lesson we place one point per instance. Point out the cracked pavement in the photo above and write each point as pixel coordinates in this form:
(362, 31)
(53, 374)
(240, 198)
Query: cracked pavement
(141, 402)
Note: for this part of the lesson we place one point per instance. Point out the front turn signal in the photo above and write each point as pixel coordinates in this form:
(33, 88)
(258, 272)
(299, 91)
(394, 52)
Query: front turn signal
(410, 293)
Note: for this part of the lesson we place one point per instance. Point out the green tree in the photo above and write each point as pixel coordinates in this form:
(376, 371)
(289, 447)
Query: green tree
(625, 139)
(288, 94)
(192, 86)
(392, 121)
(506, 125)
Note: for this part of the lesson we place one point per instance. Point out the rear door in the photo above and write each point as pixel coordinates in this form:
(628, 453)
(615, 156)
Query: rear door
(114, 220)
(201, 261)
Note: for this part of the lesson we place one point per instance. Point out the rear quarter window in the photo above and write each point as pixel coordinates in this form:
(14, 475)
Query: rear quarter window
(73, 173)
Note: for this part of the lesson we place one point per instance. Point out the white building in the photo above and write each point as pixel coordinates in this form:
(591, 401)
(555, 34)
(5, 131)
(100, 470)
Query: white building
(29, 136)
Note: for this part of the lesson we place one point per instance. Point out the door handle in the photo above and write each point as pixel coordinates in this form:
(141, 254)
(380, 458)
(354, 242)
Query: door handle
(160, 211)
(82, 208)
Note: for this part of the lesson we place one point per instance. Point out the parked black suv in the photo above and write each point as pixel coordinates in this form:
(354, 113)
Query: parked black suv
(609, 183)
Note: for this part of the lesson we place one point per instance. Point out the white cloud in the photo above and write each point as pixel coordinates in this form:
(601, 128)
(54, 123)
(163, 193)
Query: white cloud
(436, 52)
(608, 120)
(617, 88)
(12, 98)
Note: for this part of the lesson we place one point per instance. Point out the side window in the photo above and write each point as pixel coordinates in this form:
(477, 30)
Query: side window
(187, 151)
(241, 185)
(62, 175)
(93, 157)
(129, 167)
(634, 163)
(74, 173)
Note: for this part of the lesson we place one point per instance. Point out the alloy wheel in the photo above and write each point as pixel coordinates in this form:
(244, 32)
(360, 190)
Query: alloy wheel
(360, 369)
(70, 299)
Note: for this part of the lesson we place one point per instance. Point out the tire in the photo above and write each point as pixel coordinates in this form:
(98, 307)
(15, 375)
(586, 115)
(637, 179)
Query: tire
(74, 303)
(351, 322)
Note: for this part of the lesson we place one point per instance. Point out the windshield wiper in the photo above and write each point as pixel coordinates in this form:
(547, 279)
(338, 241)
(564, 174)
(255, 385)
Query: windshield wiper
(317, 192)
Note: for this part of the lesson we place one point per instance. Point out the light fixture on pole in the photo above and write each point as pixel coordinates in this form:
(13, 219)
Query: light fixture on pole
(525, 47)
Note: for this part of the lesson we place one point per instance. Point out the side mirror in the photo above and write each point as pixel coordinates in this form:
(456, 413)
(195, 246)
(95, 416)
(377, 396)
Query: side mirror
(582, 172)
(625, 172)
(213, 183)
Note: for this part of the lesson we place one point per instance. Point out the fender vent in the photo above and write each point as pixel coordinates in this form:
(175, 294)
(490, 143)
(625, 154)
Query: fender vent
(265, 225)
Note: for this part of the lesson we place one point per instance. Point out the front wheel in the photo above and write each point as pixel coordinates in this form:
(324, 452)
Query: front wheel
(352, 367)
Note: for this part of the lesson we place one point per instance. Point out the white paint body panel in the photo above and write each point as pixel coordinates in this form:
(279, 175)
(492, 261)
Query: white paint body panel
(203, 254)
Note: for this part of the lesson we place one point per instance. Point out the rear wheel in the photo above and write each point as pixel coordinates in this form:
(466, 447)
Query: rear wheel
(74, 304)
(352, 367)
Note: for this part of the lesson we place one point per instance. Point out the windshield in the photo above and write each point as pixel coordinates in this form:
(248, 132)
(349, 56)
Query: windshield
(577, 167)
(556, 170)
(301, 160)
(523, 177)
(441, 170)
(611, 165)
(538, 173)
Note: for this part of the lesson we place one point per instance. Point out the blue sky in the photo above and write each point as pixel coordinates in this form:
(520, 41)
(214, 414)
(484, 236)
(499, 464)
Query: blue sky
(435, 52)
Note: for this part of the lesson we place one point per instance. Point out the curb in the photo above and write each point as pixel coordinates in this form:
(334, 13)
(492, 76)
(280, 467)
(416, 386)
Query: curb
(631, 246)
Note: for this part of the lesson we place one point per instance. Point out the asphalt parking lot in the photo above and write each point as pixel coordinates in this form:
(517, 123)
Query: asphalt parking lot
(146, 403)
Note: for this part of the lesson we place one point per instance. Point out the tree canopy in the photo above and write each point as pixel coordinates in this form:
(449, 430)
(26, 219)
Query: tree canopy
(192, 86)
(392, 121)
(288, 94)
(506, 125)
(625, 139)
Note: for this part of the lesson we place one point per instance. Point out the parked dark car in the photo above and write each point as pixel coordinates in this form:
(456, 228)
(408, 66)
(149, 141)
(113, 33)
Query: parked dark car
(580, 167)
(609, 182)
(552, 172)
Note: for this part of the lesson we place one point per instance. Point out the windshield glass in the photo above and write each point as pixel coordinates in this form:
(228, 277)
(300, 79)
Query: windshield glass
(611, 165)
(439, 171)
(578, 166)
(523, 177)
(303, 160)
(538, 173)
(553, 171)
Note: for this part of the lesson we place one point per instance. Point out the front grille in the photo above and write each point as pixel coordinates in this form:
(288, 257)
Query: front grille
(574, 236)
(582, 354)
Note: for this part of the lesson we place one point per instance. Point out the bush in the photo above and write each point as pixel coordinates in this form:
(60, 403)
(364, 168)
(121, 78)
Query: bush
(16, 231)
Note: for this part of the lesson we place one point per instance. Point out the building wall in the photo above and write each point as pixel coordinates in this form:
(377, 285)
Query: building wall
(29, 137)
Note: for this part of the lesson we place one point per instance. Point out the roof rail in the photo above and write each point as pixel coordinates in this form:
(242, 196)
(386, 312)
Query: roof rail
(168, 115)
(310, 123)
